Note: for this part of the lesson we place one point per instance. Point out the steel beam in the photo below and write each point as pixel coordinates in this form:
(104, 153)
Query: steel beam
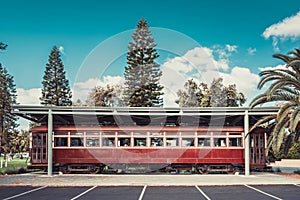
(50, 130)
(247, 143)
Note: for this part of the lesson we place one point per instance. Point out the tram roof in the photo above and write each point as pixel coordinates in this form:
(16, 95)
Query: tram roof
(70, 115)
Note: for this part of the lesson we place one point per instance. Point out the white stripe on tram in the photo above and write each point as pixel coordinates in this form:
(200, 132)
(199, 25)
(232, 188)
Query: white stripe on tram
(274, 197)
(83, 193)
(142, 193)
(21, 194)
(201, 191)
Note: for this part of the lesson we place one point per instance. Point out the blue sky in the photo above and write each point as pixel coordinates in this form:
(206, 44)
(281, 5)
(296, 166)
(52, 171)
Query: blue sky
(237, 37)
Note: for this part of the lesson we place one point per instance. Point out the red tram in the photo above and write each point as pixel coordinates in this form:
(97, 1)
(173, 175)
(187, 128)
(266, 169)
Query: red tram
(144, 139)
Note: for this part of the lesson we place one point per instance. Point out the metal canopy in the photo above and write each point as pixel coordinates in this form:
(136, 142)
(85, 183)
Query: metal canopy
(68, 115)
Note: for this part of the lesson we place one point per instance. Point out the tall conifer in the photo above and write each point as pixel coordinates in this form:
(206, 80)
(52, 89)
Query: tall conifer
(142, 74)
(8, 121)
(56, 90)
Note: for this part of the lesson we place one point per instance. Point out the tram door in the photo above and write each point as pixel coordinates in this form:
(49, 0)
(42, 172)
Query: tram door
(39, 148)
(257, 149)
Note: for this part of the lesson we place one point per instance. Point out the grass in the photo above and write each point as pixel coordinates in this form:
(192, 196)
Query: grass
(15, 166)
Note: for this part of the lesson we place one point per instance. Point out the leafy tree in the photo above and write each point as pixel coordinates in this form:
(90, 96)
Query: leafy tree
(193, 95)
(3, 46)
(8, 96)
(101, 96)
(285, 89)
(56, 90)
(142, 74)
(108, 96)
(217, 95)
(233, 97)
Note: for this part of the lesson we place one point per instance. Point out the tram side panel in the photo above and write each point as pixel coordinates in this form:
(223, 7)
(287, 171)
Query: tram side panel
(149, 156)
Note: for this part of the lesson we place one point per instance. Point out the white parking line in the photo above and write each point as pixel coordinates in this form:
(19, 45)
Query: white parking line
(202, 193)
(142, 193)
(274, 197)
(83, 193)
(18, 195)
(296, 185)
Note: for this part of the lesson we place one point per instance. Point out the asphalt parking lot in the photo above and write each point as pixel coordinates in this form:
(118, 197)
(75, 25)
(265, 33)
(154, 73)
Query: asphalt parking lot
(245, 192)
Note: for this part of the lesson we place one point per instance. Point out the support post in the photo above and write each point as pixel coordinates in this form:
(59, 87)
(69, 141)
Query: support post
(50, 130)
(247, 143)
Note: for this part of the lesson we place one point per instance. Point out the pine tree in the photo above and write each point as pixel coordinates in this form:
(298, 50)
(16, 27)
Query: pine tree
(8, 96)
(142, 74)
(56, 90)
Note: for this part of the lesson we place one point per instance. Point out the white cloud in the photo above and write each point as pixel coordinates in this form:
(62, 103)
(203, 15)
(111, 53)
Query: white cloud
(30, 96)
(201, 65)
(251, 51)
(287, 28)
(61, 49)
(231, 48)
(272, 68)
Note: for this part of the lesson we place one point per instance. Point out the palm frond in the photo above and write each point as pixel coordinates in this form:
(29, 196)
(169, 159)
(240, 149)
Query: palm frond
(294, 120)
(285, 110)
(275, 132)
(282, 57)
(262, 121)
(294, 64)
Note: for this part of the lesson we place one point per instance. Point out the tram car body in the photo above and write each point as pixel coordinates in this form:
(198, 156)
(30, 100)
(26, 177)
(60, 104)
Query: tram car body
(95, 149)
(143, 140)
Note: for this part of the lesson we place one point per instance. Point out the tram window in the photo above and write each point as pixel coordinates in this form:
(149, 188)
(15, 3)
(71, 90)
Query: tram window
(109, 133)
(34, 154)
(44, 154)
(252, 142)
(261, 141)
(108, 142)
(172, 133)
(123, 142)
(235, 142)
(203, 142)
(60, 133)
(156, 142)
(188, 134)
(92, 133)
(44, 140)
(186, 142)
(92, 142)
(37, 141)
(60, 142)
(139, 141)
(172, 142)
(76, 142)
(39, 154)
(77, 133)
(220, 142)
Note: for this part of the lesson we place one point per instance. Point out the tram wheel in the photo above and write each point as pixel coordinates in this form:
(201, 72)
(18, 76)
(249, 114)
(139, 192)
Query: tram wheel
(94, 170)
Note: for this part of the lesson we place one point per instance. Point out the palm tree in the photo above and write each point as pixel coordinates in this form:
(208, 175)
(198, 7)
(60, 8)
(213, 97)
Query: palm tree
(285, 89)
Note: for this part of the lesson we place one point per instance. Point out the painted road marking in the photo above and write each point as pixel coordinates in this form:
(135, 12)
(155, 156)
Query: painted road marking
(274, 197)
(296, 185)
(83, 193)
(142, 193)
(21, 194)
(202, 193)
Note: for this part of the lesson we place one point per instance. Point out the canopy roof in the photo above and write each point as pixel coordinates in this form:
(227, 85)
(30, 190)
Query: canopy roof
(101, 116)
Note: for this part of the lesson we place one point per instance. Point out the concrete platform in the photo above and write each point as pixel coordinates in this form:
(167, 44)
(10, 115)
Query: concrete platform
(141, 180)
